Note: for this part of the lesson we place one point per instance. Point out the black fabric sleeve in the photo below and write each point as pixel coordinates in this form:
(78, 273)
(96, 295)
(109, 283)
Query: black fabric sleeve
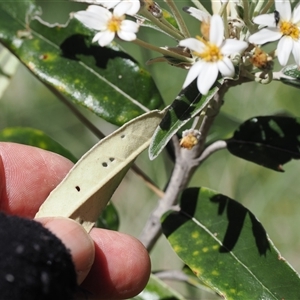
(34, 263)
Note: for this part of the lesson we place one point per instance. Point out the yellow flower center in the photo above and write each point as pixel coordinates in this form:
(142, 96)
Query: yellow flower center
(290, 29)
(212, 52)
(114, 24)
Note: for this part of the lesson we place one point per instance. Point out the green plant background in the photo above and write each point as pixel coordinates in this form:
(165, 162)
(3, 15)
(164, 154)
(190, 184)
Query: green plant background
(273, 197)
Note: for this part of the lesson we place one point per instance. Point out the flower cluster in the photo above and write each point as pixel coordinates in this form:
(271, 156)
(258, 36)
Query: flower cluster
(282, 25)
(109, 24)
(211, 54)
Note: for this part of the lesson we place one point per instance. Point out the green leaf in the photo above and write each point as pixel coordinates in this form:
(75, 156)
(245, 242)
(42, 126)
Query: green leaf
(293, 73)
(105, 80)
(270, 141)
(158, 290)
(109, 219)
(228, 248)
(187, 105)
(36, 138)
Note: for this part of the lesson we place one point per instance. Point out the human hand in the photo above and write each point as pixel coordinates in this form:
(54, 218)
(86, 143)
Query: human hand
(109, 264)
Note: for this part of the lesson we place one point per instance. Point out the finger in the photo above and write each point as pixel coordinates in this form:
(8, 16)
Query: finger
(76, 239)
(121, 268)
(27, 176)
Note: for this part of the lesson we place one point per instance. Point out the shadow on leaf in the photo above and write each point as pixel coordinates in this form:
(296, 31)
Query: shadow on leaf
(183, 105)
(101, 55)
(236, 214)
(196, 205)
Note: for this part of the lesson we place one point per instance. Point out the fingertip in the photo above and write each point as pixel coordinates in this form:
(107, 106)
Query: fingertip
(121, 268)
(76, 240)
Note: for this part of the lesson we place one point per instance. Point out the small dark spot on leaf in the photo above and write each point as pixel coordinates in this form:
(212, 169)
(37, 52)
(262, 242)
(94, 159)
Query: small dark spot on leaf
(122, 136)
(111, 159)
(77, 188)
(104, 164)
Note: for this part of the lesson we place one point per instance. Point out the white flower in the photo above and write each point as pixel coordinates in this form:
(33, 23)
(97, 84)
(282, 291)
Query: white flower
(131, 6)
(109, 24)
(212, 56)
(285, 28)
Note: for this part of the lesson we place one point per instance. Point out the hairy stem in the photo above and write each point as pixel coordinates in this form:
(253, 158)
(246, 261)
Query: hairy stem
(182, 26)
(186, 162)
(163, 51)
(167, 28)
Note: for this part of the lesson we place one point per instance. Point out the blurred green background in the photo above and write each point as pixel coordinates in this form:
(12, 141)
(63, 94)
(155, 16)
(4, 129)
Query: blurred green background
(273, 197)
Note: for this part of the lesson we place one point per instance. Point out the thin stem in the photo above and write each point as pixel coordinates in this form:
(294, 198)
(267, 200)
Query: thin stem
(169, 29)
(163, 51)
(214, 147)
(182, 26)
(98, 133)
(247, 20)
(165, 22)
(223, 9)
(151, 185)
(199, 119)
(266, 8)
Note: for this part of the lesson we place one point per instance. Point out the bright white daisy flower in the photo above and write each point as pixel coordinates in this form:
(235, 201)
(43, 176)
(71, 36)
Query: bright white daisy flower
(131, 6)
(109, 24)
(282, 25)
(212, 56)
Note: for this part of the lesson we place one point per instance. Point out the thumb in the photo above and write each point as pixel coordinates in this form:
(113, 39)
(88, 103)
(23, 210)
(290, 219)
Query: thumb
(76, 240)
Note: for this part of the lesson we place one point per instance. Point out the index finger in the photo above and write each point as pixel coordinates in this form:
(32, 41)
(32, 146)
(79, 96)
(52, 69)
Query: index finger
(27, 176)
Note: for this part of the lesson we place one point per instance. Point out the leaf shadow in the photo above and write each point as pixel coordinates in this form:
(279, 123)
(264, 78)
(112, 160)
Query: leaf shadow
(77, 45)
(182, 106)
(236, 214)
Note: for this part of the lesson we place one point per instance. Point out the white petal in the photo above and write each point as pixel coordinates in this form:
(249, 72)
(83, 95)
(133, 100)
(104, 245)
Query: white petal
(126, 36)
(296, 14)
(264, 36)
(207, 77)
(104, 37)
(265, 20)
(284, 9)
(135, 7)
(296, 52)
(193, 73)
(284, 49)
(193, 44)
(99, 11)
(198, 14)
(216, 32)
(122, 8)
(108, 3)
(90, 20)
(129, 26)
(97, 36)
(226, 67)
(231, 46)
